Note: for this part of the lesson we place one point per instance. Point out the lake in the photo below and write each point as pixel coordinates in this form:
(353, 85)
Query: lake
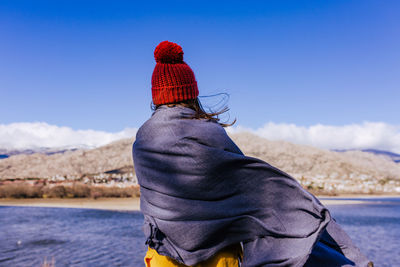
(84, 237)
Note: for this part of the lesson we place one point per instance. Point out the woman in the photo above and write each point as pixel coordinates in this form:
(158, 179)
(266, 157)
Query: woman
(202, 198)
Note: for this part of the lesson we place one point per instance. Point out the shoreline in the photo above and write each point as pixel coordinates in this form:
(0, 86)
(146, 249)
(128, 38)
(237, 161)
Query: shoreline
(343, 199)
(133, 204)
(122, 204)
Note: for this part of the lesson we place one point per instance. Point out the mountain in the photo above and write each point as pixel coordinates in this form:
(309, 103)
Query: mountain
(71, 163)
(330, 171)
(393, 156)
(5, 153)
(303, 160)
(389, 155)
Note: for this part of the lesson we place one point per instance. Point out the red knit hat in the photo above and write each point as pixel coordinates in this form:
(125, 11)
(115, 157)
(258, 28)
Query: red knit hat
(173, 80)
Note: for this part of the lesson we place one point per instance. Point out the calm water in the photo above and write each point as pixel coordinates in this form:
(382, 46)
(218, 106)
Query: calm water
(81, 237)
(74, 237)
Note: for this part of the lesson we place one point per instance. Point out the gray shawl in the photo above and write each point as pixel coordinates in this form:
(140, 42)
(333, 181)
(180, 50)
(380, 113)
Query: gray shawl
(199, 194)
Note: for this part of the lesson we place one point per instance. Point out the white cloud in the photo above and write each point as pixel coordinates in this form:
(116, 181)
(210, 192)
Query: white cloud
(40, 134)
(377, 135)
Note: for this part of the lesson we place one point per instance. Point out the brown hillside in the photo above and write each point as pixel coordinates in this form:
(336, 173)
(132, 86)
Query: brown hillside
(352, 171)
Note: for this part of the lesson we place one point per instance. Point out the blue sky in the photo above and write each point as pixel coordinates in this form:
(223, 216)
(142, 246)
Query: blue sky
(88, 64)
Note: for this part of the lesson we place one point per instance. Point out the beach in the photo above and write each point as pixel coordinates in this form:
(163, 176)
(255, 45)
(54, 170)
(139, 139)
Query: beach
(130, 204)
(133, 204)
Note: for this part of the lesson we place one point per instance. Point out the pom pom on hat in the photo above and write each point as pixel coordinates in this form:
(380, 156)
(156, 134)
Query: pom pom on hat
(173, 80)
(168, 53)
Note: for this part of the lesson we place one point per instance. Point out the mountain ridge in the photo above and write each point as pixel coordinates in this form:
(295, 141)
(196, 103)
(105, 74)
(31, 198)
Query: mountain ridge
(351, 171)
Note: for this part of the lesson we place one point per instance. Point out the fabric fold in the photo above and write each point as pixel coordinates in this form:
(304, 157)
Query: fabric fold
(202, 194)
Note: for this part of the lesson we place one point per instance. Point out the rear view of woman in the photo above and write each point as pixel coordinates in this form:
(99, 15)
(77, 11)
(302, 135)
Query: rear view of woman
(207, 204)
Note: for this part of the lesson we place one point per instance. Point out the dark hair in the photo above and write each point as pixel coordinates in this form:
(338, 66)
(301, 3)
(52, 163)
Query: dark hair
(200, 112)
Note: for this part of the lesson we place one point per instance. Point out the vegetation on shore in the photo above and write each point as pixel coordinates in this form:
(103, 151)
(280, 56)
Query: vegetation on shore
(75, 190)
(26, 190)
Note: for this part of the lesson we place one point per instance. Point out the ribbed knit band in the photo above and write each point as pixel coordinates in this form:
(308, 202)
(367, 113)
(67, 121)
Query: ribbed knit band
(173, 83)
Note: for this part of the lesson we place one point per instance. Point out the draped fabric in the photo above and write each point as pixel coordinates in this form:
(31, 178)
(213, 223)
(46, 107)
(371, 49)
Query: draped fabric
(199, 194)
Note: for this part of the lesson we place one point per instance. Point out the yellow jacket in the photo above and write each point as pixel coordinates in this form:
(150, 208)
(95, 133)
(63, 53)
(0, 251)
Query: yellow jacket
(227, 257)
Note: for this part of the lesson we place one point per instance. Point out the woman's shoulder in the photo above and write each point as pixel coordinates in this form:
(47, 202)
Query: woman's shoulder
(178, 119)
(169, 125)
